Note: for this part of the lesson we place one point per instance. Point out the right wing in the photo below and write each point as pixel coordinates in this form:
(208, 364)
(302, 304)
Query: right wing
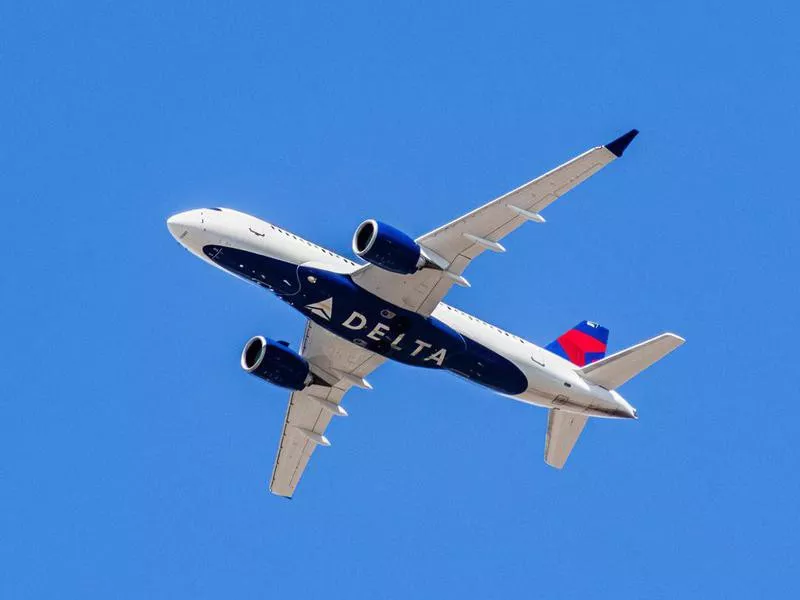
(563, 429)
(310, 410)
(457, 243)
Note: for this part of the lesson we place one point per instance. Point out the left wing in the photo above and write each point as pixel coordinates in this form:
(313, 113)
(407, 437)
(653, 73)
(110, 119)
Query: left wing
(310, 410)
(563, 429)
(460, 241)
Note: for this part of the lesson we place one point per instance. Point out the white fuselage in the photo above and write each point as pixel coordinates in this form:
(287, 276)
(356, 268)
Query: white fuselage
(553, 382)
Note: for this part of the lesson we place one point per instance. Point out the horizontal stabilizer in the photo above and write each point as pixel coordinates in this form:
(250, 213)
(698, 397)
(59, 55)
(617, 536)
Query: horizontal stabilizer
(612, 371)
(563, 429)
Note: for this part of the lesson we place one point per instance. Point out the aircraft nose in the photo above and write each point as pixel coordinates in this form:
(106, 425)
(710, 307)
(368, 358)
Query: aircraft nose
(180, 224)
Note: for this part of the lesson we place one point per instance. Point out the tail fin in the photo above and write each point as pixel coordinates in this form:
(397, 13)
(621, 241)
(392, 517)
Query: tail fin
(583, 344)
(611, 372)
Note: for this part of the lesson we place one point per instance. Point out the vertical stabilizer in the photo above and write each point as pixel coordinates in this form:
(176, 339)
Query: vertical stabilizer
(582, 345)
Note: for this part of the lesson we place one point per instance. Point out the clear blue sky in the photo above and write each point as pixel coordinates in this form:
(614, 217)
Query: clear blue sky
(136, 453)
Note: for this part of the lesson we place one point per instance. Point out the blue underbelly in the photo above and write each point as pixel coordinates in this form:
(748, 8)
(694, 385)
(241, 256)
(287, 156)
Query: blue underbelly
(335, 302)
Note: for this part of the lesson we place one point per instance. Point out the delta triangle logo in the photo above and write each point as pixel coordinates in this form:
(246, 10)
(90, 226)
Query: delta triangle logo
(323, 308)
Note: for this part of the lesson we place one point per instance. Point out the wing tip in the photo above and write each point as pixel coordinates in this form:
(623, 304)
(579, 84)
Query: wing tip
(618, 146)
(678, 339)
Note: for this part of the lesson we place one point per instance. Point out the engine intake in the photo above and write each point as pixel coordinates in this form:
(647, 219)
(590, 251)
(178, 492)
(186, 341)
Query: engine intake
(276, 362)
(387, 247)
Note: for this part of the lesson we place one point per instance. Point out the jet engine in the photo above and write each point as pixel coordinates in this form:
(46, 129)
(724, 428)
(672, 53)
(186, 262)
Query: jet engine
(387, 247)
(276, 362)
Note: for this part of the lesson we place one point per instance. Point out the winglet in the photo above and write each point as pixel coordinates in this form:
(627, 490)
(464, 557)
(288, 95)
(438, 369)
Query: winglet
(617, 147)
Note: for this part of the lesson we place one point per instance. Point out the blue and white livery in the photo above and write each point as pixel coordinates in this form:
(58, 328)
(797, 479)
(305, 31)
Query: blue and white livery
(360, 315)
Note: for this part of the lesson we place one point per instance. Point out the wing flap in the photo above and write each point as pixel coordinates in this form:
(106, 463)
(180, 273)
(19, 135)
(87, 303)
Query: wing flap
(495, 220)
(563, 430)
(295, 448)
(326, 353)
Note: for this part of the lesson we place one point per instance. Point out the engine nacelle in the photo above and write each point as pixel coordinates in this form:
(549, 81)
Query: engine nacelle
(387, 247)
(276, 362)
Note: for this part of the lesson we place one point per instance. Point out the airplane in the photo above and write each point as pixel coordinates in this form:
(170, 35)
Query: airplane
(360, 315)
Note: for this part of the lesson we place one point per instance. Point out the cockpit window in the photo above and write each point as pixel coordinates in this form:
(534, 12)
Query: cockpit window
(216, 209)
